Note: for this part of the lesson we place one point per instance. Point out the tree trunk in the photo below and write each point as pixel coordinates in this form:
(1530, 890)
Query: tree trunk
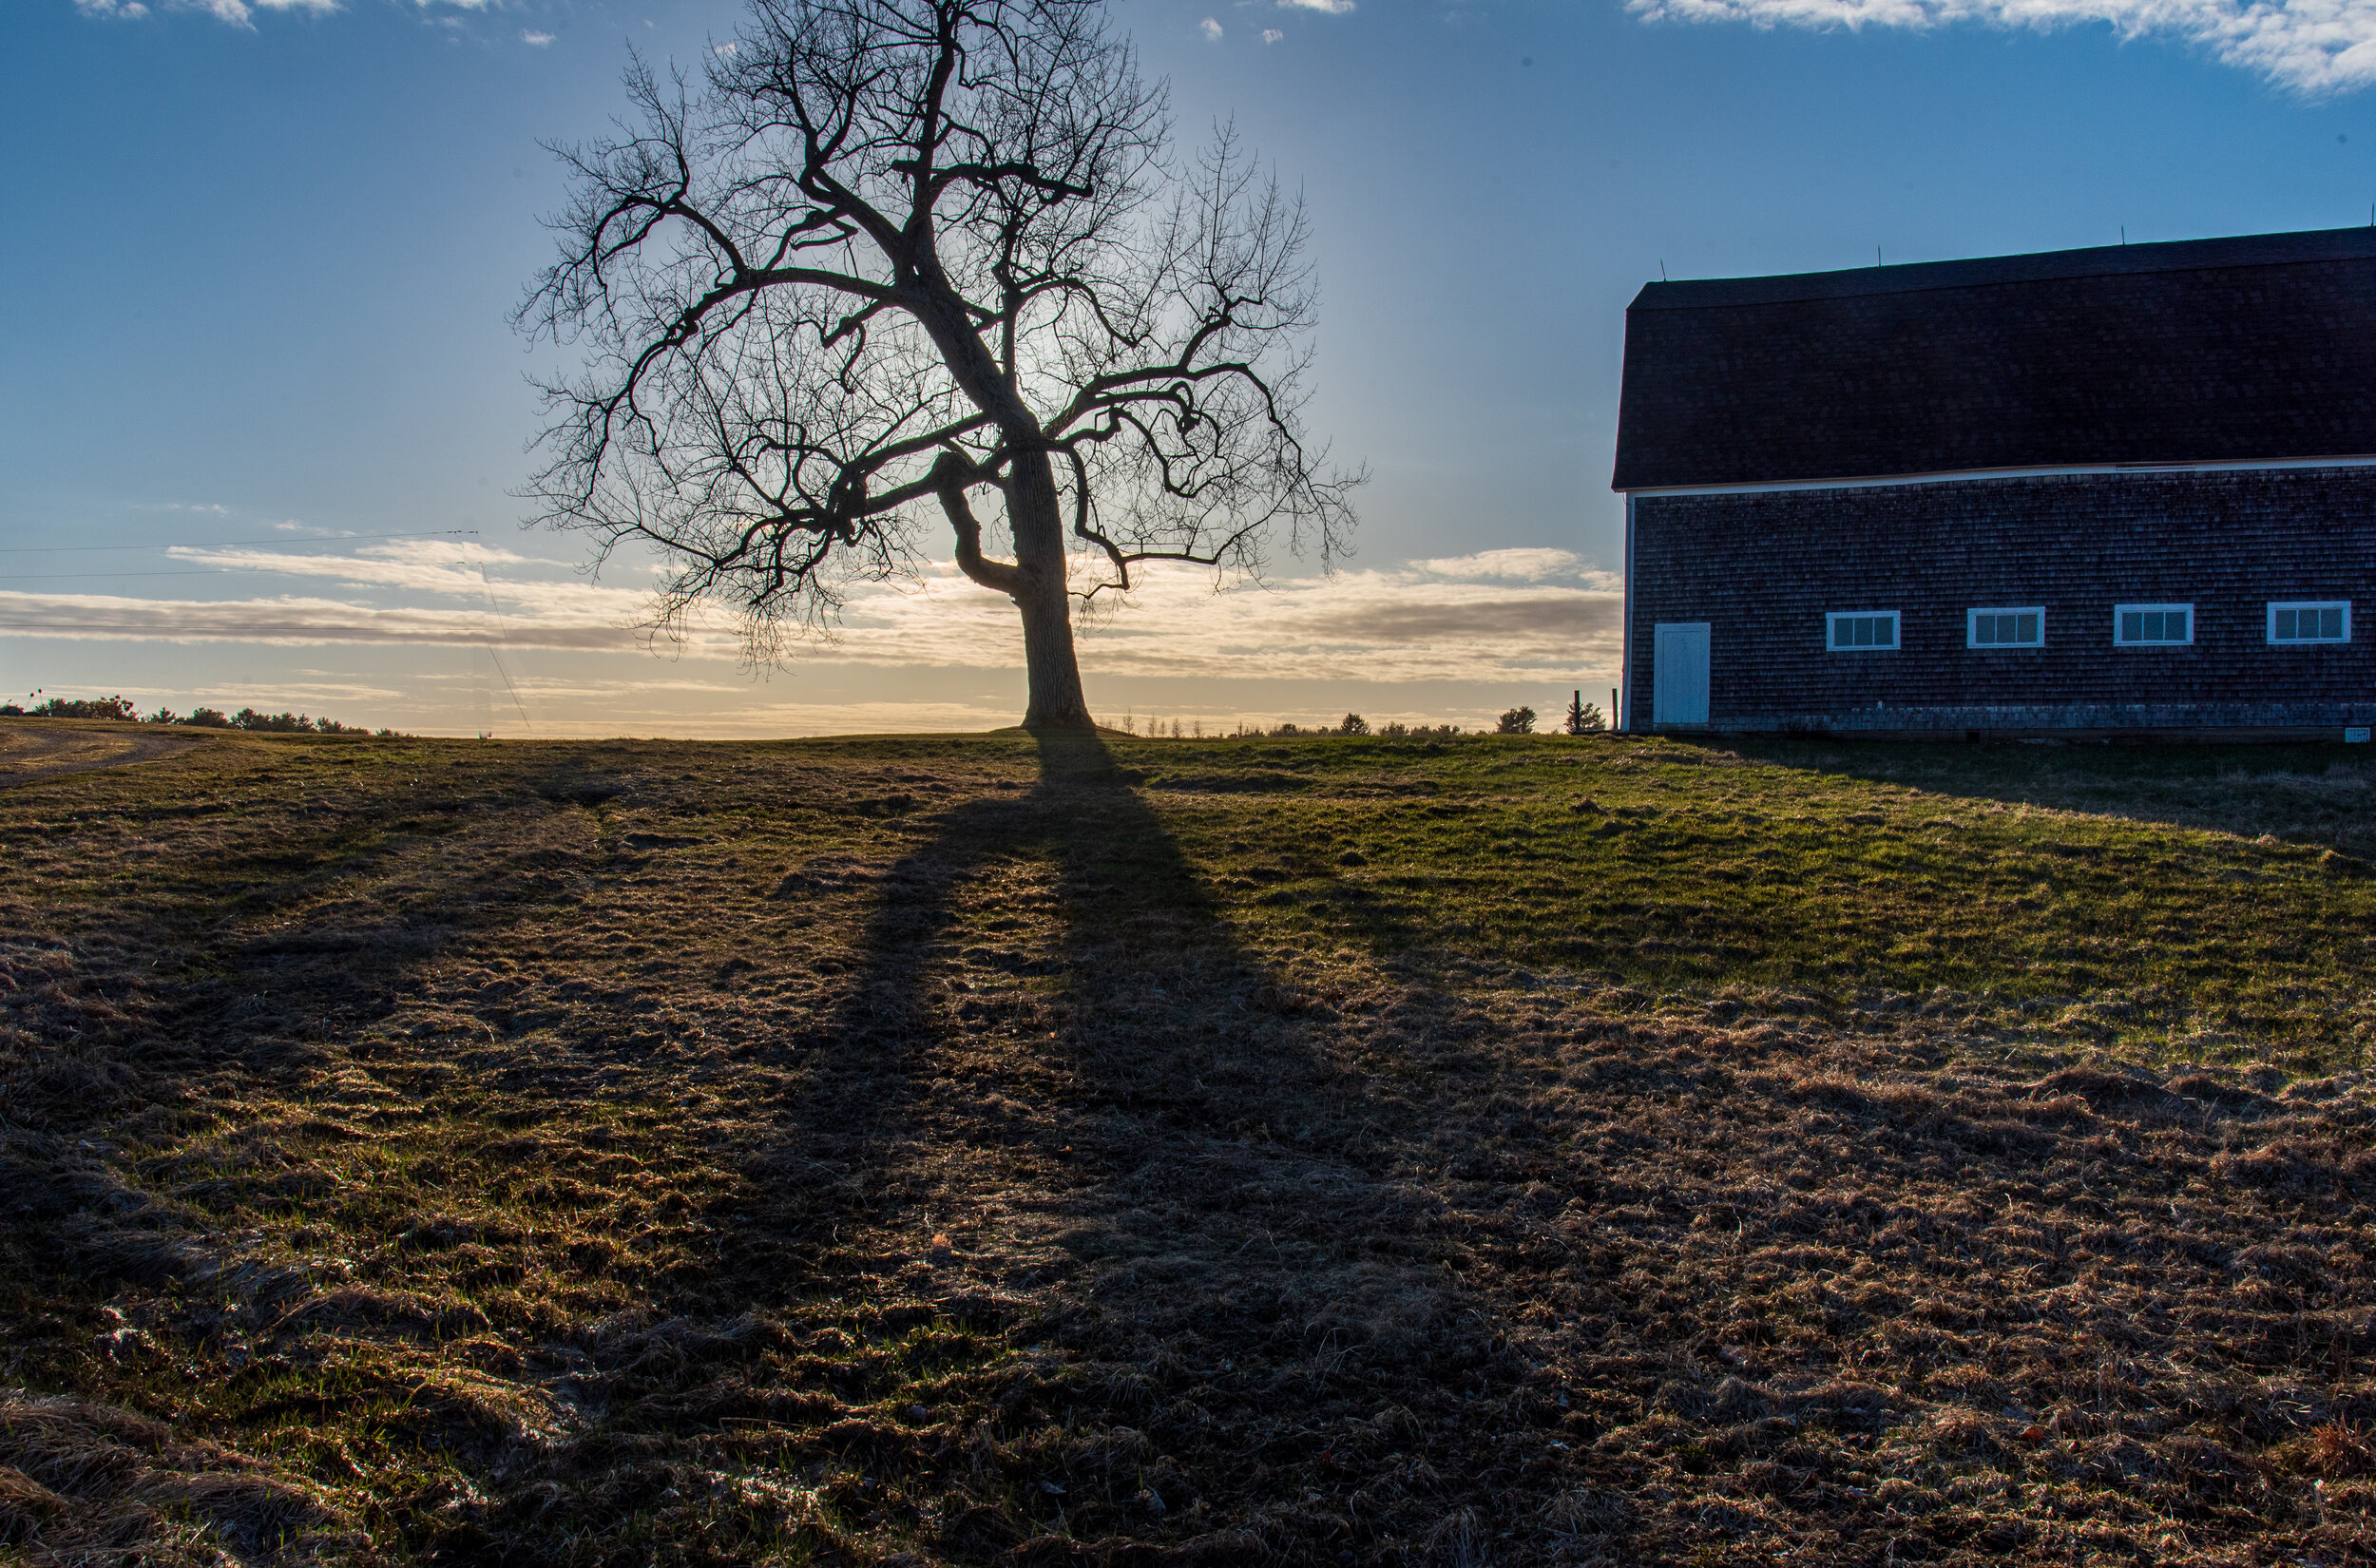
(1035, 513)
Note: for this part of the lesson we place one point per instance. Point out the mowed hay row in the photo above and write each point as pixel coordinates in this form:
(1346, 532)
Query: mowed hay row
(1332, 1151)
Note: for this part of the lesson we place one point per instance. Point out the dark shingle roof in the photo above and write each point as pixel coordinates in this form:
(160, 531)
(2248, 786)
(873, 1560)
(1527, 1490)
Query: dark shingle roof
(2204, 350)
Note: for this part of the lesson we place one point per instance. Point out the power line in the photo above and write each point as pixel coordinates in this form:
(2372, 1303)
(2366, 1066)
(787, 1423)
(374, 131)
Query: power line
(489, 589)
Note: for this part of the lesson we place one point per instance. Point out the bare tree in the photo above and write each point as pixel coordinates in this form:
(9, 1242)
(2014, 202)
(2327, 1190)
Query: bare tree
(893, 253)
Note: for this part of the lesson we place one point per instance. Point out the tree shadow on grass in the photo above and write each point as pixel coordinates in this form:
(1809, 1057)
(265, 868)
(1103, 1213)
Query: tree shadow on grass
(1158, 1171)
(1203, 1248)
(1321, 1269)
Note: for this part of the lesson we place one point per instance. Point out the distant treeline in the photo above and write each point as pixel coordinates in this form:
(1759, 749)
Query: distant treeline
(202, 718)
(1355, 724)
(1581, 717)
(1193, 729)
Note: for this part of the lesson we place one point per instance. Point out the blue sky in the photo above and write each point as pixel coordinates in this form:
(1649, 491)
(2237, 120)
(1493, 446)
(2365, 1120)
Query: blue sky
(259, 262)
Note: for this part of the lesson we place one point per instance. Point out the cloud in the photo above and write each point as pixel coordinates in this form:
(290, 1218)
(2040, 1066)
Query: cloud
(2312, 46)
(1533, 613)
(1501, 621)
(318, 695)
(1367, 625)
(657, 707)
(505, 606)
(535, 40)
(1331, 8)
(1211, 29)
(1378, 626)
(1532, 561)
(290, 620)
(431, 566)
(236, 14)
(1272, 35)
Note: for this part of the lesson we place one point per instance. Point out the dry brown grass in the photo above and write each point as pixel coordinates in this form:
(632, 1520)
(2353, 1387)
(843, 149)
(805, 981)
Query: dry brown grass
(940, 1151)
(92, 1483)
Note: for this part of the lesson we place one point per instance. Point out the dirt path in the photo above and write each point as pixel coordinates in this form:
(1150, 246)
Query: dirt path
(32, 749)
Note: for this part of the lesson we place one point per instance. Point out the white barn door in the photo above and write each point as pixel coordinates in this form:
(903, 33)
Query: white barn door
(1679, 672)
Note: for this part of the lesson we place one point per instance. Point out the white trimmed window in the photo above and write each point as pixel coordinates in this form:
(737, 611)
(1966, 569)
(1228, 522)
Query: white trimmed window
(2309, 620)
(2153, 626)
(1861, 631)
(2022, 627)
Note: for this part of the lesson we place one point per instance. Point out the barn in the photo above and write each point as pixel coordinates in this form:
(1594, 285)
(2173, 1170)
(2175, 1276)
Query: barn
(2120, 491)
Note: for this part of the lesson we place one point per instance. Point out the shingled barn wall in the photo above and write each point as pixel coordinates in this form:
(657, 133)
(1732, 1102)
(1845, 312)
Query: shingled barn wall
(1764, 568)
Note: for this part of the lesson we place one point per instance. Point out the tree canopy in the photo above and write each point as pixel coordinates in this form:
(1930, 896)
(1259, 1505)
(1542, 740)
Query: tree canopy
(888, 256)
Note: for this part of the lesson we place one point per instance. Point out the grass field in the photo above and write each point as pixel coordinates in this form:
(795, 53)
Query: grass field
(976, 1150)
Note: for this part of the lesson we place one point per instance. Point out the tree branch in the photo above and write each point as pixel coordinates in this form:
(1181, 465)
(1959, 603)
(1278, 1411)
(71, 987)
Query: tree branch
(954, 475)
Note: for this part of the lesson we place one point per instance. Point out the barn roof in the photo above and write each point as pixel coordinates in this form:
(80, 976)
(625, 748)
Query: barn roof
(2257, 347)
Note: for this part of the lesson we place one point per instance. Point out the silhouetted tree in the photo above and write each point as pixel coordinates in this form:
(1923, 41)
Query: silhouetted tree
(1355, 724)
(1515, 721)
(893, 253)
(86, 707)
(1583, 718)
(280, 723)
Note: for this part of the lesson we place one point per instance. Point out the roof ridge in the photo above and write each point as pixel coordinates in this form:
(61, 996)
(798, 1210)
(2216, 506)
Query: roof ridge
(2223, 253)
